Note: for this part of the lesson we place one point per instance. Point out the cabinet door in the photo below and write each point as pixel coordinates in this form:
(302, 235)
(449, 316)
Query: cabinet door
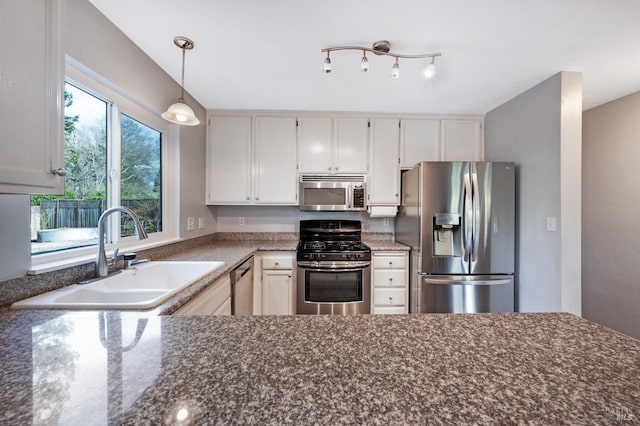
(210, 301)
(385, 176)
(314, 144)
(351, 145)
(275, 163)
(419, 141)
(462, 140)
(229, 160)
(31, 101)
(277, 293)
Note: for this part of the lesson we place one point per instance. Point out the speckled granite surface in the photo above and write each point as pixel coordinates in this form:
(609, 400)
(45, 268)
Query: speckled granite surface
(110, 368)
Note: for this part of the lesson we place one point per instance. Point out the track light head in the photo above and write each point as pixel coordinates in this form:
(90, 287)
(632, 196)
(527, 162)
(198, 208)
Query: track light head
(364, 64)
(395, 71)
(430, 69)
(326, 67)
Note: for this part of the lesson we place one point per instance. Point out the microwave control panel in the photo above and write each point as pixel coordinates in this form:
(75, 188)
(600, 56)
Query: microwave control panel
(358, 196)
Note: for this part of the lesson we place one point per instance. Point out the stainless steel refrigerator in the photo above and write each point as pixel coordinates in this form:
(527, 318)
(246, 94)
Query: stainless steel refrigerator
(459, 220)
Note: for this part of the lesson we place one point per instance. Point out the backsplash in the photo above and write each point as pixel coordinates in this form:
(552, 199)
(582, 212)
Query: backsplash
(287, 219)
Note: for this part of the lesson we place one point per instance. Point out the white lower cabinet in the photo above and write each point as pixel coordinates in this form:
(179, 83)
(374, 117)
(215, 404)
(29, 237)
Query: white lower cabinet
(215, 300)
(390, 282)
(278, 283)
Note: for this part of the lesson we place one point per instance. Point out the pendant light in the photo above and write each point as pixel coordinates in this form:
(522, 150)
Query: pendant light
(179, 112)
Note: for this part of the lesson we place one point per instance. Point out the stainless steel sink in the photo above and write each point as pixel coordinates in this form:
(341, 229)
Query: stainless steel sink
(143, 287)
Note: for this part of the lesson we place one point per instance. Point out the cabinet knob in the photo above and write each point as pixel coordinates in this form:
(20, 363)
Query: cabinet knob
(337, 168)
(390, 299)
(248, 198)
(329, 168)
(59, 172)
(277, 263)
(390, 263)
(390, 280)
(288, 276)
(257, 198)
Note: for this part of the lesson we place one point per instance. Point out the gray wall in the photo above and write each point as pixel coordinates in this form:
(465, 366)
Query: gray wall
(610, 212)
(94, 41)
(528, 130)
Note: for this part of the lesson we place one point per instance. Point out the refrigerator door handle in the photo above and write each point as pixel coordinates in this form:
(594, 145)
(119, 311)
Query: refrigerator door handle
(468, 217)
(476, 218)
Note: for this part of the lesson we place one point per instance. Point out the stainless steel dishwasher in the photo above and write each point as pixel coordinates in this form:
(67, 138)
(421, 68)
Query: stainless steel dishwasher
(242, 288)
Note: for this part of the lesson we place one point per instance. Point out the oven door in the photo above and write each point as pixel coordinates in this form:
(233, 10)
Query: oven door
(333, 288)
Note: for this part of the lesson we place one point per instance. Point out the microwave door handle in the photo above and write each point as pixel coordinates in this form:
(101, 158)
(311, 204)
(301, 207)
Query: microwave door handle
(349, 191)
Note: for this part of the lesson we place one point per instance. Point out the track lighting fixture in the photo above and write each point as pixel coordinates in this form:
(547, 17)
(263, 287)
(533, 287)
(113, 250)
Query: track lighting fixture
(382, 47)
(180, 112)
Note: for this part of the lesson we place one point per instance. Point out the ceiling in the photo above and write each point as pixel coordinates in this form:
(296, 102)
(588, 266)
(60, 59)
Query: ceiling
(256, 54)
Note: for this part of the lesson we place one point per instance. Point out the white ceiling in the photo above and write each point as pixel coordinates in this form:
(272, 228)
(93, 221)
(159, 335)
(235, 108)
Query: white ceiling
(257, 54)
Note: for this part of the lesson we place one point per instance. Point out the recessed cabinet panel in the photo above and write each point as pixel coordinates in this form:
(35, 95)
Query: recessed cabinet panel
(351, 137)
(419, 141)
(277, 292)
(229, 160)
(315, 140)
(275, 165)
(384, 179)
(31, 100)
(462, 140)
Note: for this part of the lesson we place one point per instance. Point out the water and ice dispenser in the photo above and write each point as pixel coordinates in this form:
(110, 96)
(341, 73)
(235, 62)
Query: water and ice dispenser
(447, 235)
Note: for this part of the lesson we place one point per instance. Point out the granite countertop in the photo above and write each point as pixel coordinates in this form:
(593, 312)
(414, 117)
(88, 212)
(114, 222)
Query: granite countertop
(116, 368)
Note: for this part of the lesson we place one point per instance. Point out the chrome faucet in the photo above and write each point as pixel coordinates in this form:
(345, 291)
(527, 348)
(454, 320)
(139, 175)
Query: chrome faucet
(102, 268)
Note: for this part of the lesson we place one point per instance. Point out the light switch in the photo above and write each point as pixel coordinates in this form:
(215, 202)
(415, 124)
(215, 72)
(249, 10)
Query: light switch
(551, 224)
(201, 223)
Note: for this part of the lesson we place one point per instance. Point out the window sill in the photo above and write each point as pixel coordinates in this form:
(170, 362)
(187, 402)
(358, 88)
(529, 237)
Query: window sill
(69, 262)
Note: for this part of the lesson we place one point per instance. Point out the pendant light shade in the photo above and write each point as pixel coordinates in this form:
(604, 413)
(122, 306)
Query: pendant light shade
(179, 112)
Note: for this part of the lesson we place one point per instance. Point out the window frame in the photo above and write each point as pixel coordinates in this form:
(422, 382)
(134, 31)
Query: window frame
(118, 102)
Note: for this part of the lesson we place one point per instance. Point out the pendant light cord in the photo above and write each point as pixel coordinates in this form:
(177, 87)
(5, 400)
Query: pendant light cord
(182, 85)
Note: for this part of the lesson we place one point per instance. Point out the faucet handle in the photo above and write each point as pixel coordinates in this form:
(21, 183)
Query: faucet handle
(114, 258)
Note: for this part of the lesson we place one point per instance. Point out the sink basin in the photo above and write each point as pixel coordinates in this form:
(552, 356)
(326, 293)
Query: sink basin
(143, 287)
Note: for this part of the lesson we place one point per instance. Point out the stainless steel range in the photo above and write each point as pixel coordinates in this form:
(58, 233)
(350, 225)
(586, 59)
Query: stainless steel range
(333, 268)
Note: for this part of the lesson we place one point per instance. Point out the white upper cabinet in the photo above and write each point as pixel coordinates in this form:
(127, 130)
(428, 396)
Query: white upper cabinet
(419, 141)
(31, 97)
(351, 137)
(462, 140)
(275, 160)
(384, 178)
(335, 146)
(315, 140)
(251, 160)
(229, 160)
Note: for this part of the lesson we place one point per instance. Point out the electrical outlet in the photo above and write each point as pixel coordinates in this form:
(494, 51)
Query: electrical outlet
(190, 223)
(201, 223)
(386, 221)
(551, 224)
(241, 220)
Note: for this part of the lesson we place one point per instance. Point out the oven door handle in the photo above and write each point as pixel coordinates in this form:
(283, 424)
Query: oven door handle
(352, 266)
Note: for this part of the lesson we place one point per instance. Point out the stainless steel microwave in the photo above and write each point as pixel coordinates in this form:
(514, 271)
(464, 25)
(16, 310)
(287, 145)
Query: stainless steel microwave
(332, 192)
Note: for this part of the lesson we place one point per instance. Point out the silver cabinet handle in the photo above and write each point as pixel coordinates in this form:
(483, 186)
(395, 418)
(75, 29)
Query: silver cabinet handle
(59, 172)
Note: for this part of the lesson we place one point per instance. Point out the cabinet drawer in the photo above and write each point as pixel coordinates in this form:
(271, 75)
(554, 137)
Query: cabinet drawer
(390, 262)
(209, 301)
(385, 310)
(389, 278)
(277, 262)
(389, 297)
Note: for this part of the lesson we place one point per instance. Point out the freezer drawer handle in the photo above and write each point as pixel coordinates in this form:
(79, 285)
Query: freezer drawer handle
(478, 282)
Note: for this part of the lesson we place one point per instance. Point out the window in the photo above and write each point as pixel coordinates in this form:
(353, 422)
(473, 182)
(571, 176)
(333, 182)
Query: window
(114, 155)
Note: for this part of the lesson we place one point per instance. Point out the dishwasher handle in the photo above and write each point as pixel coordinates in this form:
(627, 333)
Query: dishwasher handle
(242, 270)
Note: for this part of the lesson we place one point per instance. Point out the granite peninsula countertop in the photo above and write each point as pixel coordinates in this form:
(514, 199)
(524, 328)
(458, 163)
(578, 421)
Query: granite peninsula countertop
(116, 368)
